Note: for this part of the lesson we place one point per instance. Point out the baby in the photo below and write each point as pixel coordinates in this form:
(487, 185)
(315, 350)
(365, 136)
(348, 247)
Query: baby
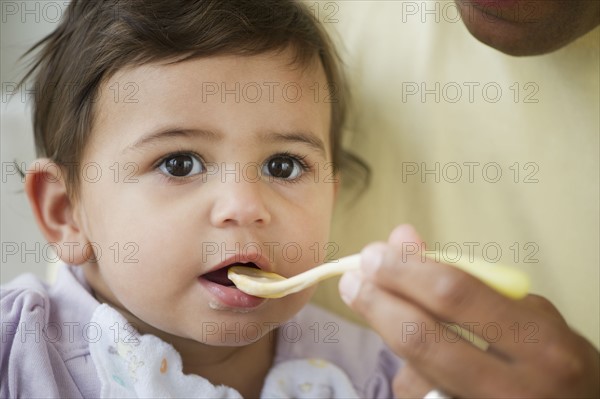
(179, 139)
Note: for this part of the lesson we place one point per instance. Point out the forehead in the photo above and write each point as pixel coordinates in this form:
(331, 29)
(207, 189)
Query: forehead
(241, 95)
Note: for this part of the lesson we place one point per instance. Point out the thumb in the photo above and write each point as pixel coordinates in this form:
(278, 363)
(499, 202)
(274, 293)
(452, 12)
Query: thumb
(405, 235)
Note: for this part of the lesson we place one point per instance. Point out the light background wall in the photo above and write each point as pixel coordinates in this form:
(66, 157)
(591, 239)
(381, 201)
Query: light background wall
(22, 24)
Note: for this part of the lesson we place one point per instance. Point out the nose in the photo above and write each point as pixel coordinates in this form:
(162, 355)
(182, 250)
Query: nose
(240, 204)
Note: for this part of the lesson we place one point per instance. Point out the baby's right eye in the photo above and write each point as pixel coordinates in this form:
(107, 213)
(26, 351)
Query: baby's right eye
(181, 165)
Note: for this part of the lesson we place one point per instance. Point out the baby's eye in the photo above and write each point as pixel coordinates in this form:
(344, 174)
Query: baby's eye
(284, 167)
(181, 165)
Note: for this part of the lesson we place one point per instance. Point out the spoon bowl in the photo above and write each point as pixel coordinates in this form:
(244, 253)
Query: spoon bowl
(271, 285)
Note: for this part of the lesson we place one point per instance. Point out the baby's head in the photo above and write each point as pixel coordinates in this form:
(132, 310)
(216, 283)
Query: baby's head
(98, 38)
(180, 138)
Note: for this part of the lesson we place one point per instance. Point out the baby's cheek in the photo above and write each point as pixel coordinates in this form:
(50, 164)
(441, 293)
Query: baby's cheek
(105, 285)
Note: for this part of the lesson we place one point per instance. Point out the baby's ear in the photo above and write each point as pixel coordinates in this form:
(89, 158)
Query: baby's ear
(46, 189)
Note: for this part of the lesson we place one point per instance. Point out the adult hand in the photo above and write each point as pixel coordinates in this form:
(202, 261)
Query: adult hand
(409, 299)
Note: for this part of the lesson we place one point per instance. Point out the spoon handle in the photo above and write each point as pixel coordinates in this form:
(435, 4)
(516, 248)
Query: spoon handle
(509, 281)
(333, 268)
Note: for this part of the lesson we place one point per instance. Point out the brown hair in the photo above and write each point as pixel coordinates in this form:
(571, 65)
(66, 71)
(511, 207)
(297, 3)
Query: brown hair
(97, 38)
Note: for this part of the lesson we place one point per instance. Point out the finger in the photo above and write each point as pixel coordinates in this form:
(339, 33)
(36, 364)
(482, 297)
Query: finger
(553, 351)
(448, 362)
(564, 367)
(540, 304)
(452, 295)
(405, 235)
(531, 331)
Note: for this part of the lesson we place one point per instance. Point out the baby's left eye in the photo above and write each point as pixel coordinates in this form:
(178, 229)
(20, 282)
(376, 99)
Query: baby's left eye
(181, 165)
(285, 167)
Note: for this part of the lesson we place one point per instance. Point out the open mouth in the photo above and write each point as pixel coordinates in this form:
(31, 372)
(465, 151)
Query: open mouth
(227, 296)
(220, 276)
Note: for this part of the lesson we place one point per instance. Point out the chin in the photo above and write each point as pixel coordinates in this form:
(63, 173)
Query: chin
(514, 42)
(554, 25)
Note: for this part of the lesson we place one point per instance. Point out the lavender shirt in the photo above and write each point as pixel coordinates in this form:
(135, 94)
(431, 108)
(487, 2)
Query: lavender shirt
(46, 332)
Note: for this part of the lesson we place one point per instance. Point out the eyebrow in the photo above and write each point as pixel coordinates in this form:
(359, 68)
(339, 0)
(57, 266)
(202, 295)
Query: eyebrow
(306, 138)
(167, 133)
(298, 137)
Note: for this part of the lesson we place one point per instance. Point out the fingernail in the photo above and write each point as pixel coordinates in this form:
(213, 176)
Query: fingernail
(372, 257)
(349, 286)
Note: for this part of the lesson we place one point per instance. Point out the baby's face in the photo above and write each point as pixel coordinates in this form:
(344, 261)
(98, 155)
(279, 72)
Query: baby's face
(206, 163)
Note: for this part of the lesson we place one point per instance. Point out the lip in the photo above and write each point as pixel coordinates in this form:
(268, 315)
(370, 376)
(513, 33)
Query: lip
(495, 3)
(230, 296)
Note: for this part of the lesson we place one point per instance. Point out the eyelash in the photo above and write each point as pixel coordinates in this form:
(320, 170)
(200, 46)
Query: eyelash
(301, 159)
(174, 179)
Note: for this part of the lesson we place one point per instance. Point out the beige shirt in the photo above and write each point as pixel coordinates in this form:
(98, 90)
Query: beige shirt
(485, 153)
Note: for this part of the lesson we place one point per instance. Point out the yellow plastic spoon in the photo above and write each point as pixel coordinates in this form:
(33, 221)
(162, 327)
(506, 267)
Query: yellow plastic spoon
(509, 281)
